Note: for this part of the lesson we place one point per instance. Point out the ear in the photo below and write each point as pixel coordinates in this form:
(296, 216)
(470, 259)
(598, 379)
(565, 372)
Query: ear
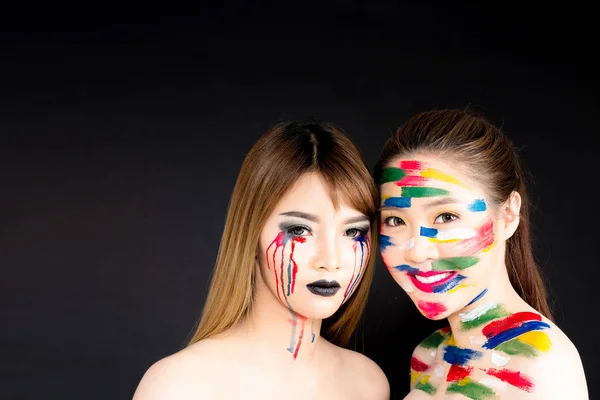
(510, 214)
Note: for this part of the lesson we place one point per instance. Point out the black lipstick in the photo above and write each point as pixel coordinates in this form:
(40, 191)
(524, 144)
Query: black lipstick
(324, 288)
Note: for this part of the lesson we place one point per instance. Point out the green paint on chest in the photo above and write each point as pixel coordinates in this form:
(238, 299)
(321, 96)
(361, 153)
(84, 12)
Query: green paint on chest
(471, 390)
(490, 315)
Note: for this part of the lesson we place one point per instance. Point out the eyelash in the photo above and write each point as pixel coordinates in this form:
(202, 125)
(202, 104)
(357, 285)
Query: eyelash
(293, 231)
(388, 220)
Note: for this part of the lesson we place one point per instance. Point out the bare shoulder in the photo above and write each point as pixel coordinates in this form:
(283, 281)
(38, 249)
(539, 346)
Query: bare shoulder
(187, 374)
(558, 373)
(365, 375)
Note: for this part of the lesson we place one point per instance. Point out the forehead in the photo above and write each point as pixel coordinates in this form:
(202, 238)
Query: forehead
(310, 194)
(425, 177)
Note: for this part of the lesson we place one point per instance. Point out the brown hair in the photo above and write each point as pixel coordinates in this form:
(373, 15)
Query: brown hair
(279, 157)
(490, 158)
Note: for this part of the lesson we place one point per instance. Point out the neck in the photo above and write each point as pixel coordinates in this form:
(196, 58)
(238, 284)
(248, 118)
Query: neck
(499, 300)
(273, 329)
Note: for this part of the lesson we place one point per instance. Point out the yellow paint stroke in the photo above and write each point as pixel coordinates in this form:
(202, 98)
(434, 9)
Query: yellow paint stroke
(539, 340)
(414, 376)
(491, 246)
(464, 381)
(450, 340)
(425, 379)
(440, 176)
(464, 285)
(434, 240)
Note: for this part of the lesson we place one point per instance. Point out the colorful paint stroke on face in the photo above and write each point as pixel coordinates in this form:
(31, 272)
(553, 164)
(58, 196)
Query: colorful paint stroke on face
(431, 309)
(363, 241)
(445, 284)
(447, 236)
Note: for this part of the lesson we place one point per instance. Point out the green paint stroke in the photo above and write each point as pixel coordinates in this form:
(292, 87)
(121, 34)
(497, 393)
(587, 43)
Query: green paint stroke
(516, 347)
(392, 175)
(434, 340)
(426, 387)
(472, 390)
(454, 263)
(417, 191)
(490, 315)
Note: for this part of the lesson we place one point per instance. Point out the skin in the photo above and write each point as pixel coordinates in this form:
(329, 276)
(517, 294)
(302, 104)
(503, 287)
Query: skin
(442, 237)
(253, 360)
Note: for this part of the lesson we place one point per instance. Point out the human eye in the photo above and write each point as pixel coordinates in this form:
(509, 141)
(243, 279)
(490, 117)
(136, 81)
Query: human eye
(393, 221)
(297, 230)
(356, 232)
(444, 218)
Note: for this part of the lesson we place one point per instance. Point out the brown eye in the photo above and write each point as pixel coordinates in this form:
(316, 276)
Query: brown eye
(445, 218)
(393, 221)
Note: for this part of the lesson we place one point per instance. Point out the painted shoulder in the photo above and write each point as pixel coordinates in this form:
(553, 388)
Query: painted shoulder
(424, 354)
(559, 372)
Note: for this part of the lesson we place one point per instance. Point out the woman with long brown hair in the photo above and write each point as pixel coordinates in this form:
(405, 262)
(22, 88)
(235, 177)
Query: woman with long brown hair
(291, 279)
(455, 236)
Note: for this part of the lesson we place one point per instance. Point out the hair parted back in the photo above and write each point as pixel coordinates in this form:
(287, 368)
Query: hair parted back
(273, 164)
(489, 157)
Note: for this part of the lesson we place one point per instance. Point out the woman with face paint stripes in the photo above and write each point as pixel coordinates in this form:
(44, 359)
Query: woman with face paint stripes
(290, 282)
(455, 237)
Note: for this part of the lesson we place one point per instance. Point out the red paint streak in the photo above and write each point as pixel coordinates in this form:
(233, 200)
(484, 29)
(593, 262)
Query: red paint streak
(278, 241)
(514, 378)
(353, 270)
(483, 239)
(411, 180)
(456, 373)
(300, 337)
(445, 329)
(431, 310)
(418, 365)
(513, 321)
(418, 165)
(295, 239)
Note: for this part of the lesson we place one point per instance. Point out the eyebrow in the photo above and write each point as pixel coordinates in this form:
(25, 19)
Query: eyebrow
(314, 218)
(443, 200)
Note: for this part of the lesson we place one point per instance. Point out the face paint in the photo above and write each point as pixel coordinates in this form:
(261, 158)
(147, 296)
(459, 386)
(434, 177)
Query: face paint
(430, 309)
(409, 186)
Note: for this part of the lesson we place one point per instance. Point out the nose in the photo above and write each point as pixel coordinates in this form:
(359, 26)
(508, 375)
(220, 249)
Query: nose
(327, 255)
(422, 250)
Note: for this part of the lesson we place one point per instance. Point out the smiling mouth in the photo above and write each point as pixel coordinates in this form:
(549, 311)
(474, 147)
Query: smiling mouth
(432, 281)
(324, 288)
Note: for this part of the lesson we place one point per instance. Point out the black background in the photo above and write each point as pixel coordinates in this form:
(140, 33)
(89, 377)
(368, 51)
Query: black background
(122, 132)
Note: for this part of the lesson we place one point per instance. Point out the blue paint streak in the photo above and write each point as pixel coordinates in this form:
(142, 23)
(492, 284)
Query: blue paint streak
(451, 284)
(406, 268)
(398, 202)
(429, 232)
(289, 276)
(477, 206)
(512, 333)
(480, 295)
(385, 241)
(457, 355)
(362, 257)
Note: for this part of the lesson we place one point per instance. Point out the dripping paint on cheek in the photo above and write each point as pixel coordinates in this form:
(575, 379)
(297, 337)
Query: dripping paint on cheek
(279, 241)
(431, 309)
(365, 245)
(292, 271)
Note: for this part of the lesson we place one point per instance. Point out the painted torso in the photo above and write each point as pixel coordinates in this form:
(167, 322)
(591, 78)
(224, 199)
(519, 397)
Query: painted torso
(501, 360)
